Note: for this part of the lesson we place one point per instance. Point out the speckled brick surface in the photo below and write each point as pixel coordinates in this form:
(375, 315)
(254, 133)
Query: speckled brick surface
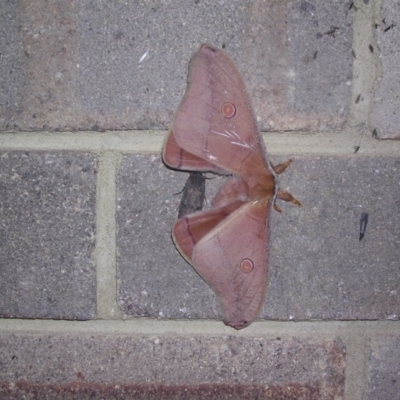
(384, 368)
(65, 364)
(75, 65)
(47, 216)
(386, 115)
(319, 269)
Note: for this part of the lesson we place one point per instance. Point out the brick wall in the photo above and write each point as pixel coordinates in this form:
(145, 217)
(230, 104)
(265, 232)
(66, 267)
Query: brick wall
(95, 301)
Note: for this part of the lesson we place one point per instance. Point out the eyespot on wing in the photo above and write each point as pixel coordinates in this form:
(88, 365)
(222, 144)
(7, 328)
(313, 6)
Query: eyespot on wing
(228, 110)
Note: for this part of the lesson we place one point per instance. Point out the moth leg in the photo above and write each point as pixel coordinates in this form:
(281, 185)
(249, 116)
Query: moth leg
(286, 196)
(281, 167)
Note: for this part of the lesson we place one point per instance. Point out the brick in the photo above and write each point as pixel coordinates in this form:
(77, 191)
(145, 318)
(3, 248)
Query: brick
(174, 367)
(153, 279)
(383, 381)
(386, 116)
(316, 252)
(319, 269)
(10, 65)
(47, 209)
(75, 65)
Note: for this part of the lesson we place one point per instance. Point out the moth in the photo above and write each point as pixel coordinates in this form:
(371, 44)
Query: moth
(215, 130)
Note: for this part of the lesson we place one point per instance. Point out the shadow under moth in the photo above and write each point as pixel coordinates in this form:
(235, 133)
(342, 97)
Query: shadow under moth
(215, 130)
(193, 194)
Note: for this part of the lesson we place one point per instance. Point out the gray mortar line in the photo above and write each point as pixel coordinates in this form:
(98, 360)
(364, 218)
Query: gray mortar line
(366, 67)
(356, 332)
(105, 256)
(302, 144)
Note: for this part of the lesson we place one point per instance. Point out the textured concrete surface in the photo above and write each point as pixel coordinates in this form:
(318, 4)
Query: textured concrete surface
(384, 370)
(303, 369)
(318, 270)
(75, 65)
(47, 215)
(85, 391)
(386, 115)
(11, 69)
